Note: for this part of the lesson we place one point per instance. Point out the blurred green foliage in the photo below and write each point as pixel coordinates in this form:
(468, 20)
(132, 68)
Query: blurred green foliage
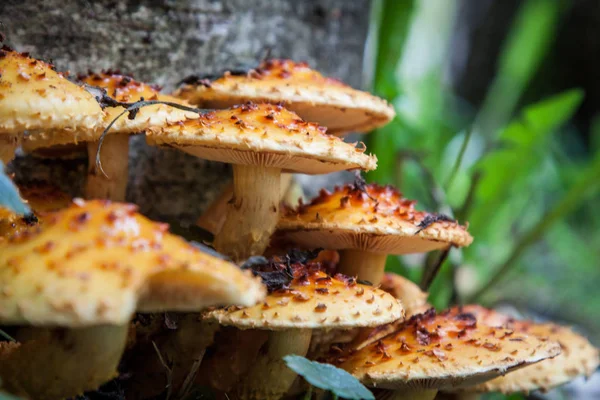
(519, 173)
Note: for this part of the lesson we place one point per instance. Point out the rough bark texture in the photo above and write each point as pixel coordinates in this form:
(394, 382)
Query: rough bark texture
(164, 41)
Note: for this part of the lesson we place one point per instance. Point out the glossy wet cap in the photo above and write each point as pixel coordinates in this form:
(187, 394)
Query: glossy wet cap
(98, 262)
(448, 350)
(578, 356)
(369, 217)
(299, 88)
(313, 299)
(266, 135)
(35, 97)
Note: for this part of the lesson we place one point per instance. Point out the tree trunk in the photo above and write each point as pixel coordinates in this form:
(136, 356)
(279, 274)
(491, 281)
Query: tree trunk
(165, 41)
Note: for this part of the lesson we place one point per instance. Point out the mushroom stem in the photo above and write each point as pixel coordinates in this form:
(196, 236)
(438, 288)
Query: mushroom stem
(410, 394)
(252, 213)
(213, 218)
(8, 146)
(364, 265)
(270, 378)
(58, 363)
(114, 157)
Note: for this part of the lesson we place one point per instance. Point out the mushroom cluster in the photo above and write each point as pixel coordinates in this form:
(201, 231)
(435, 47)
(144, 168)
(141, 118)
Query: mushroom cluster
(91, 290)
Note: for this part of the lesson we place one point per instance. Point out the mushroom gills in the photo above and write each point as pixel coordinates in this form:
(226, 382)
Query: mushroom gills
(364, 265)
(56, 363)
(110, 182)
(270, 378)
(253, 212)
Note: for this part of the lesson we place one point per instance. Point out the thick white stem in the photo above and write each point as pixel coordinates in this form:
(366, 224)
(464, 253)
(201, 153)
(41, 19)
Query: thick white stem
(213, 218)
(58, 363)
(362, 264)
(252, 214)
(8, 146)
(270, 378)
(114, 157)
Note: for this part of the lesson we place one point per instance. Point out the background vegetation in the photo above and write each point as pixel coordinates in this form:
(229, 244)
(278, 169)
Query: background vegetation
(515, 167)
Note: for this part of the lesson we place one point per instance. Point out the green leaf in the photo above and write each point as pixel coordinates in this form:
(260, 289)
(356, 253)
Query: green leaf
(553, 112)
(328, 377)
(6, 396)
(9, 194)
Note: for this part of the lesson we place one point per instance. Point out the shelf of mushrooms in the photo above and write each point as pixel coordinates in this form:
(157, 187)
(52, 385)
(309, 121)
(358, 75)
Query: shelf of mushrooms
(93, 292)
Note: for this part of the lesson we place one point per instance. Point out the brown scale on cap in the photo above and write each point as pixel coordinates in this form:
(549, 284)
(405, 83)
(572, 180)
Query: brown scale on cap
(34, 97)
(96, 262)
(301, 89)
(369, 217)
(124, 89)
(266, 135)
(315, 300)
(578, 356)
(443, 351)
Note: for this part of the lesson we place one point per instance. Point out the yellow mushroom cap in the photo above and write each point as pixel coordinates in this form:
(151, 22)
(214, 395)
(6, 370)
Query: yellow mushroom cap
(263, 134)
(442, 351)
(98, 262)
(315, 300)
(124, 89)
(299, 88)
(373, 218)
(35, 97)
(578, 356)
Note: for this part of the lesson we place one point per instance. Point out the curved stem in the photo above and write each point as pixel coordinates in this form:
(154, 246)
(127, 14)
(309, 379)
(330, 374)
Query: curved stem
(270, 378)
(110, 182)
(58, 363)
(362, 264)
(252, 213)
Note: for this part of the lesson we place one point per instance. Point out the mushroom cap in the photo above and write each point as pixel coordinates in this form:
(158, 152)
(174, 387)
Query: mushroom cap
(315, 300)
(124, 89)
(442, 351)
(578, 356)
(262, 134)
(98, 262)
(412, 297)
(41, 198)
(36, 97)
(299, 88)
(372, 218)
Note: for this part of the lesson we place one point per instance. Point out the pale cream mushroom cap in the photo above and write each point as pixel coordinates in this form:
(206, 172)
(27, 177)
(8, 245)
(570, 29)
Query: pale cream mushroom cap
(124, 89)
(98, 262)
(35, 97)
(262, 134)
(377, 219)
(315, 300)
(443, 351)
(577, 358)
(408, 292)
(299, 88)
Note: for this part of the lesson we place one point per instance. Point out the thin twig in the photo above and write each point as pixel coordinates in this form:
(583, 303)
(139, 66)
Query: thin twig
(7, 336)
(463, 213)
(188, 383)
(169, 371)
(432, 270)
(459, 159)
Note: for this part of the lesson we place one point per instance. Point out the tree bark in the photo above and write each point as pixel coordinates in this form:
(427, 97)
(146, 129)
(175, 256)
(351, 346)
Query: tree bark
(164, 41)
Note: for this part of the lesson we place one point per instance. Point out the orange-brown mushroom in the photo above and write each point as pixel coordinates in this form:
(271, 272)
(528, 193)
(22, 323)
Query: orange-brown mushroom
(442, 351)
(299, 88)
(73, 283)
(261, 140)
(368, 222)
